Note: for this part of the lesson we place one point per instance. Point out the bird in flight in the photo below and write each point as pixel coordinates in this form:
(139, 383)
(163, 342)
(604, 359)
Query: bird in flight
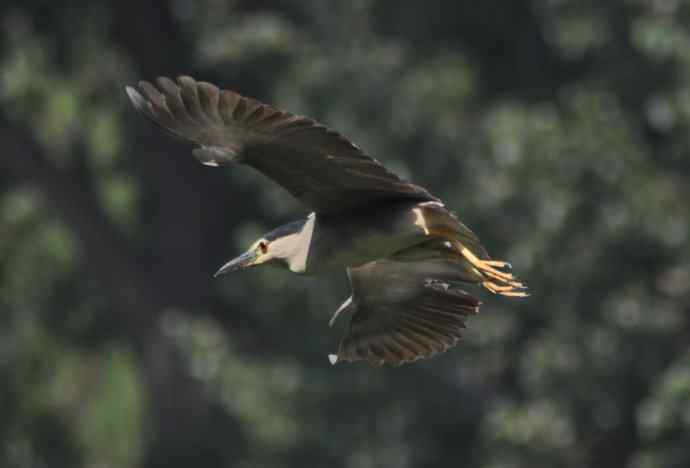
(404, 252)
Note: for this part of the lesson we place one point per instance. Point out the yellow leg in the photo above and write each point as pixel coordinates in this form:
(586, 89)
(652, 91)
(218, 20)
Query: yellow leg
(495, 280)
(498, 282)
(484, 265)
(507, 290)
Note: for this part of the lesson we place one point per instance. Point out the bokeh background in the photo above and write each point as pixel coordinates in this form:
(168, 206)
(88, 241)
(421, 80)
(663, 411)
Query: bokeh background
(559, 130)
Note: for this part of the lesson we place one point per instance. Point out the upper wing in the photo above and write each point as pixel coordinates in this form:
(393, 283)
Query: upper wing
(402, 311)
(318, 166)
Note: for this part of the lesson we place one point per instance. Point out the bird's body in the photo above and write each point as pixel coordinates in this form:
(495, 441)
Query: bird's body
(403, 250)
(378, 231)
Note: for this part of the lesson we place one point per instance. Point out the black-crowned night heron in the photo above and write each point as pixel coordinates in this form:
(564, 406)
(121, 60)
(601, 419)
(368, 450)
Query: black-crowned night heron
(403, 250)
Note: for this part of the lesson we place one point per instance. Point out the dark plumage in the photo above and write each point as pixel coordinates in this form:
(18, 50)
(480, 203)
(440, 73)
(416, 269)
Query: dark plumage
(405, 253)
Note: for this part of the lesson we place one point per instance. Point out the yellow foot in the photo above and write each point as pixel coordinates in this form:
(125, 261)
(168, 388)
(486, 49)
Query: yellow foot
(487, 266)
(507, 290)
(496, 281)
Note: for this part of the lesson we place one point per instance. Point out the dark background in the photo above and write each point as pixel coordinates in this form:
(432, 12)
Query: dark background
(557, 129)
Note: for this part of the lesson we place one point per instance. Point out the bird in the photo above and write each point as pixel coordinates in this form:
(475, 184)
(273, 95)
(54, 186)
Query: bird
(406, 255)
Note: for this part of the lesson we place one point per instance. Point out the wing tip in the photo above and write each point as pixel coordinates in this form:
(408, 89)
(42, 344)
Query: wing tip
(135, 97)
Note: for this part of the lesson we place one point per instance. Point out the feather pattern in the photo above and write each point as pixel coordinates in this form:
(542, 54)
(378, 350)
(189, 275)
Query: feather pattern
(318, 166)
(423, 317)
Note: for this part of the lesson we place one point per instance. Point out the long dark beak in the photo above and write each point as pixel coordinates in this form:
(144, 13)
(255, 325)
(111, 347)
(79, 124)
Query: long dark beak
(245, 260)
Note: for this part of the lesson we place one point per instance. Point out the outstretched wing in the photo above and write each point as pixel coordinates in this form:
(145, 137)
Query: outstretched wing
(316, 165)
(402, 311)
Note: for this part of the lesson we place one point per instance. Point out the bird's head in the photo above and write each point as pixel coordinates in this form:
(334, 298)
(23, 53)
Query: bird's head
(281, 247)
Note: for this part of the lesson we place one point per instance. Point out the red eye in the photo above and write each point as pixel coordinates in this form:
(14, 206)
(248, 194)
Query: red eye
(264, 247)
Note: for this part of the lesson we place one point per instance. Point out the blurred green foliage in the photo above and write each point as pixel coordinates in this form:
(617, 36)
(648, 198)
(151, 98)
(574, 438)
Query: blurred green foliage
(557, 129)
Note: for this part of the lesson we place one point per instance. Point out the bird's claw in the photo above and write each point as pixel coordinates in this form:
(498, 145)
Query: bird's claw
(495, 280)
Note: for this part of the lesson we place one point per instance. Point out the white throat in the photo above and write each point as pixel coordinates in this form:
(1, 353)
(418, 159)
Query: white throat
(301, 242)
